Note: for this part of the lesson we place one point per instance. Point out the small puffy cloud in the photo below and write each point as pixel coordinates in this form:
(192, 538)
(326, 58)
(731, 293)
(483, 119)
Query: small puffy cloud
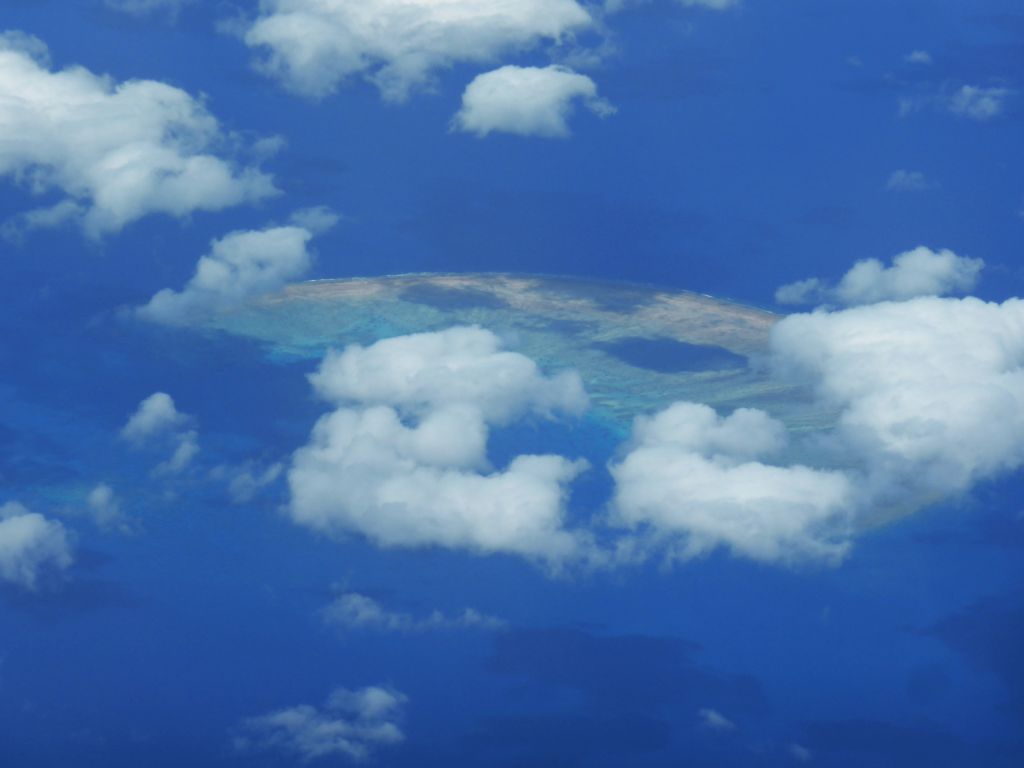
(918, 272)
(918, 57)
(64, 212)
(695, 481)
(353, 725)
(16, 41)
(239, 266)
(526, 101)
(104, 506)
(355, 611)
(715, 720)
(907, 181)
(800, 753)
(403, 459)
(184, 451)
(144, 7)
(247, 480)
(313, 46)
(116, 151)
(930, 391)
(155, 415)
(31, 546)
(809, 291)
(158, 420)
(978, 103)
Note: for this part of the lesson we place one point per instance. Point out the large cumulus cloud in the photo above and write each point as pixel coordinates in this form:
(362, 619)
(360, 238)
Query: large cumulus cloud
(929, 394)
(116, 151)
(403, 458)
(697, 479)
(930, 390)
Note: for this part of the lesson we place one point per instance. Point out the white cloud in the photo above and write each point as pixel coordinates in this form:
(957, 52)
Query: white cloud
(355, 611)
(403, 459)
(930, 391)
(105, 506)
(248, 479)
(363, 470)
(692, 480)
(353, 724)
(31, 546)
(184, 451)
(918, 272)
(239, 266)
(715, 720)
(715, 5)
(155, 415)
(527, 101)
(929, 397)
(809, 291)
(464, 366)
(314, 46)
(117, 151)
(907, 181)
(143, 7)
(613, 6)
(800, 753)
(157, 419)
(66, 211)
(978, 103)
(918, 57)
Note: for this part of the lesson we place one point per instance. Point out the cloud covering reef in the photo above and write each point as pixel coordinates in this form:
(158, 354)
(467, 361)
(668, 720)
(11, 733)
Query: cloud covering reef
(928, 392)
(930, 397)
(241, 265)
(403, 457)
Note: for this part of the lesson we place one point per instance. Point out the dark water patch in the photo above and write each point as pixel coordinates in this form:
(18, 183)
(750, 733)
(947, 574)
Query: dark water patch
(928, 683)
(635, 674)
(442, 297)
(876, 742)
(665, 355)
(57, 599)
(990, 634)
(569, 736)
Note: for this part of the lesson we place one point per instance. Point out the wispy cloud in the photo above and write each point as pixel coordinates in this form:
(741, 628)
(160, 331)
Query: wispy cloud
(355, 611)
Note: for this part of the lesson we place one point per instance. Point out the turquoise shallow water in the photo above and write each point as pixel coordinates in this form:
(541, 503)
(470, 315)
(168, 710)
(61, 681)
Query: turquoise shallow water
(637, 348)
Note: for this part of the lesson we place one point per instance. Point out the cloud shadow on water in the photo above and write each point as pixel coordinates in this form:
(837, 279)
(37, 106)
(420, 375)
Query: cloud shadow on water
(602, 696)
(990, 634)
